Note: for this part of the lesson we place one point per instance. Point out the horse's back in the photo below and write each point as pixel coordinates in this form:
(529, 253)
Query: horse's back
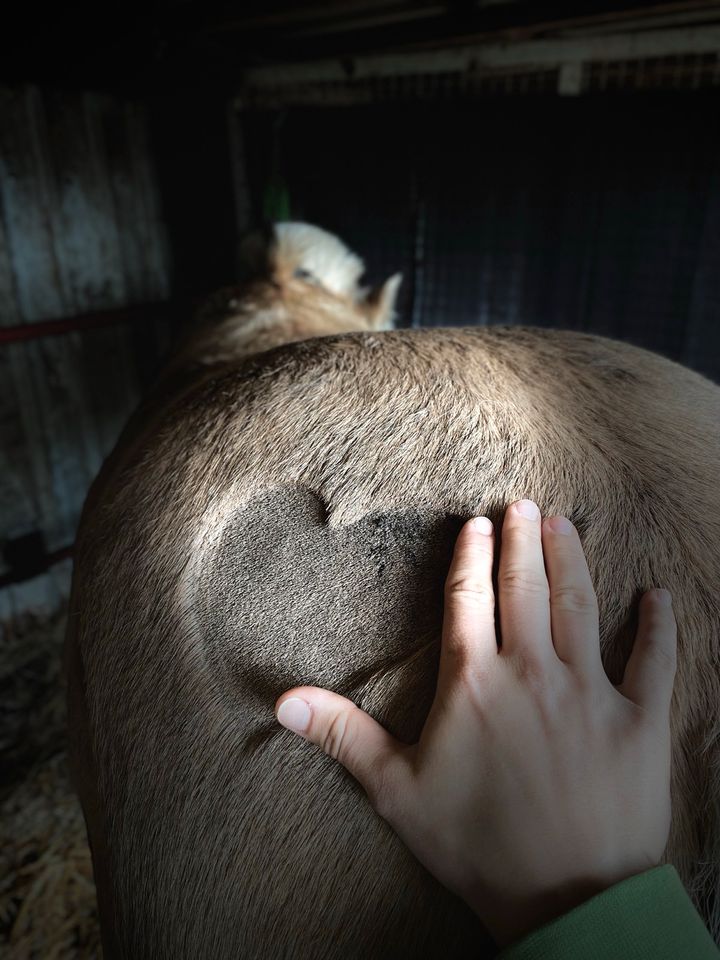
(291, 521)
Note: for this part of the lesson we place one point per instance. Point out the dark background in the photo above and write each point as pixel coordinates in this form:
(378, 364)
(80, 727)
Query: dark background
(590, 213)
(137, 145)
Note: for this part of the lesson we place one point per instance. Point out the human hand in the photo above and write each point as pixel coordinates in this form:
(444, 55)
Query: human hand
(535, 783)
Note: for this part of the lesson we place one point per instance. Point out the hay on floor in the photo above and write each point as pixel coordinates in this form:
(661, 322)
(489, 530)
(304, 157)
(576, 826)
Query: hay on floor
(48, 906)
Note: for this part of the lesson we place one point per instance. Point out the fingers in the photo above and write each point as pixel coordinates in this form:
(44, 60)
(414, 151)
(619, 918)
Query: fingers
(347, 734)
(523, 587)
(573, 604)
(650, 671)
(468, 638)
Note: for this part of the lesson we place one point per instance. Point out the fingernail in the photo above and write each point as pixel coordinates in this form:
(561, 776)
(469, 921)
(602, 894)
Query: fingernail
(483, 525)
(560, 525)
(663, 597)
(528, 509)
(294, 714)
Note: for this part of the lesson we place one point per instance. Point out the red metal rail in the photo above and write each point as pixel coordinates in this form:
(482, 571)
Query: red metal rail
(43, 565)
(138, 313)
(161, 309)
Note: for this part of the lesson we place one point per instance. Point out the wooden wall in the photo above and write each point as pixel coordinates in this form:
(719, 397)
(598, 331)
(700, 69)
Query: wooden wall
(80, 230)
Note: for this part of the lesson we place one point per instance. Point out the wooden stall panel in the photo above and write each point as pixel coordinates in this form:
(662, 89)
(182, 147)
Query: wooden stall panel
(80, 230)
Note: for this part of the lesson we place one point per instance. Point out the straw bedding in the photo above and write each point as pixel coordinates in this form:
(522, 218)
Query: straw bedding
(47, 894)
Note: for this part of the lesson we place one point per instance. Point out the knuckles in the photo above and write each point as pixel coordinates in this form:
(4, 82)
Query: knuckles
(574, 599)
(382, 793)
(470, 592)
(534, 674)
(518, 581)
(337, 738)
(661, 654)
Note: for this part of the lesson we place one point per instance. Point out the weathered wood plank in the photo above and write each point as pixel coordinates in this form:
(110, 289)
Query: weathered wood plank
(143, 266)
(19, 506)
(25, 241)
(80, 230)
(108, 365)
(152, 230)
(57, 363)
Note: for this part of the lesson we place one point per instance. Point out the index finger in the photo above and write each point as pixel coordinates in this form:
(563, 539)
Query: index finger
(468, 640)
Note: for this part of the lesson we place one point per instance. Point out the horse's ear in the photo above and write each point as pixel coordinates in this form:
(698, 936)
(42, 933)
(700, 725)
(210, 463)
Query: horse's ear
(380, 303)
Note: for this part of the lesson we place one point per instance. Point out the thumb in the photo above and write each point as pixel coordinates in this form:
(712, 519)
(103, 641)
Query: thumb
(347, 734)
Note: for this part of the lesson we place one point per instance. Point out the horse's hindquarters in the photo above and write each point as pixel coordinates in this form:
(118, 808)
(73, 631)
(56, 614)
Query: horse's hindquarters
(293, 523)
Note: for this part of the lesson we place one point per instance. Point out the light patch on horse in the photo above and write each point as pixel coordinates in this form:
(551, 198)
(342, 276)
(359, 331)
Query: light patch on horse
(315, 255)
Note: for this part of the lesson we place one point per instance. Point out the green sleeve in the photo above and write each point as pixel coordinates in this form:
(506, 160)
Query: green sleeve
(646, 917)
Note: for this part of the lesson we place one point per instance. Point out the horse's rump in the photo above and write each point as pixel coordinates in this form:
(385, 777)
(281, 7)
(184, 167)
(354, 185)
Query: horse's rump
(292, 522)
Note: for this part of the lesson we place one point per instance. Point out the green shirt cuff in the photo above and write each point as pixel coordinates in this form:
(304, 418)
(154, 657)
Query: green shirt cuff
(646, 916)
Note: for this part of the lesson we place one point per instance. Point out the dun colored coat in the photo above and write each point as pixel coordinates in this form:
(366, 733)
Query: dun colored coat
(287, 517)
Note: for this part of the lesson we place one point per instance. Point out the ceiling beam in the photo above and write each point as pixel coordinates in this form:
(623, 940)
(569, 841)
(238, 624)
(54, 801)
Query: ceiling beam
(492, 56)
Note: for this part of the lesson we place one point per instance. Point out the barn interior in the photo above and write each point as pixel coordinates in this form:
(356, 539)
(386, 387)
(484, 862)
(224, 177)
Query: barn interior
(547, 164)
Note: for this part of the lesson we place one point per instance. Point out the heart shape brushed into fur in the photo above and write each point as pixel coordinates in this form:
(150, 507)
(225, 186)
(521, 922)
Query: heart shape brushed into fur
(285, 597)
